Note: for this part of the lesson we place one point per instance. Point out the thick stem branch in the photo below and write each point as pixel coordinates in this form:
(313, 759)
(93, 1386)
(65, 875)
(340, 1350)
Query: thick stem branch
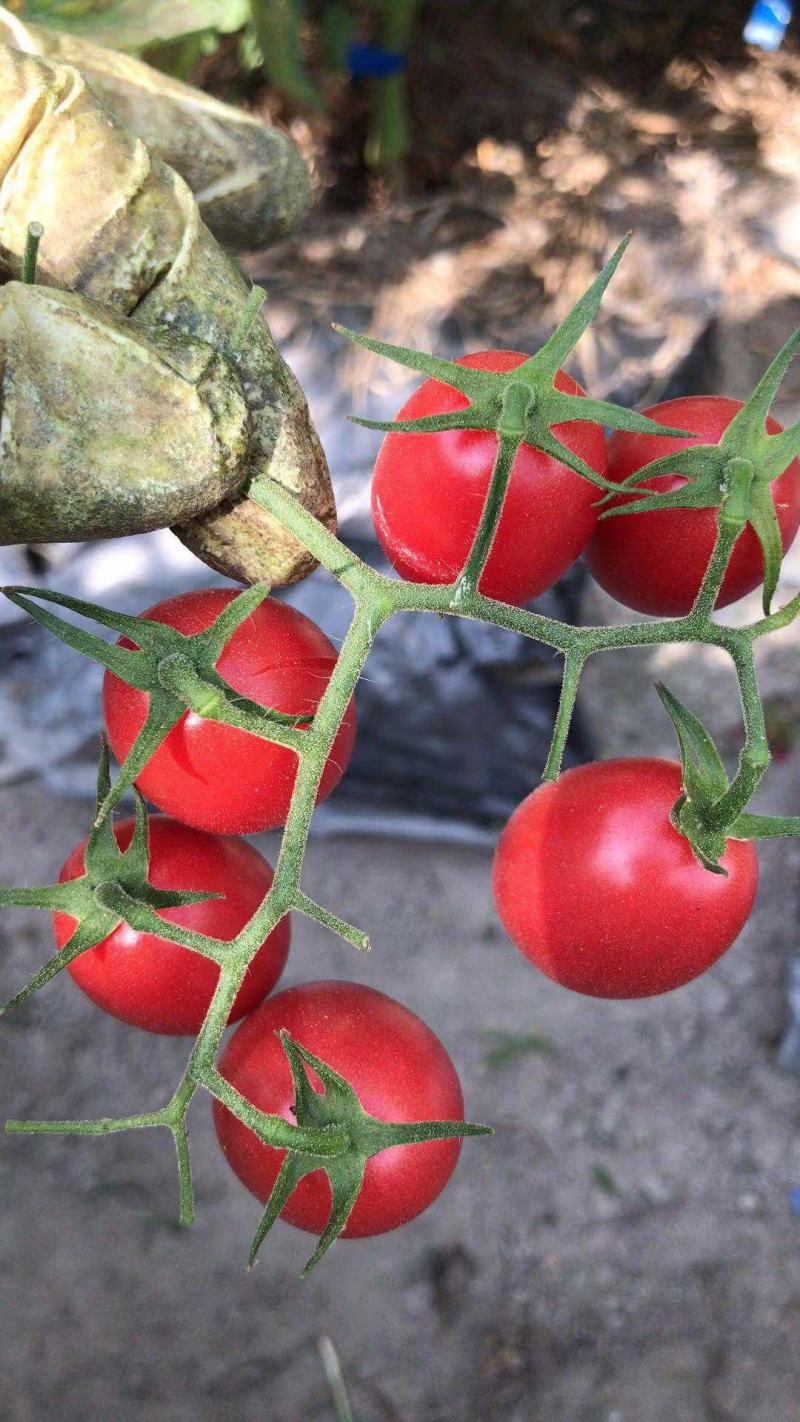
(329, 715)
(350, 571)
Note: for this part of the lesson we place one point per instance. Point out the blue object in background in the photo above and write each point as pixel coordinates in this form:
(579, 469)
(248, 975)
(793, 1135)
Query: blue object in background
(768, 23)
(369, 61)
(794, 1200)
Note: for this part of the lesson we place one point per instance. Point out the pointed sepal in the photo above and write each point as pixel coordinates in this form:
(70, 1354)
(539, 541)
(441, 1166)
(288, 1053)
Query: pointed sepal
(764, 520)
(765, 827)
(177, 671)
(114, 888)
(563, 341)
(337, 1106)
(486, 390)
(704, 774)
(734, 475)
(470, 382)
(705, 782)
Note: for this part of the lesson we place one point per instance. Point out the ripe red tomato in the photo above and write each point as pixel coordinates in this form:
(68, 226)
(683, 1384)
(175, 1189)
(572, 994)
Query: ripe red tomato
(397, 1067)
(654, 562)
(428, 492)
(160, 986)
(213, 776)
(600, 892)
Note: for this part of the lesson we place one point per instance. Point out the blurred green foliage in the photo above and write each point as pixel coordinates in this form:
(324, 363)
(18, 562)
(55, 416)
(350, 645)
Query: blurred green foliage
(175, 34)
(135, 24)
(604, 1180)
(507, 1047)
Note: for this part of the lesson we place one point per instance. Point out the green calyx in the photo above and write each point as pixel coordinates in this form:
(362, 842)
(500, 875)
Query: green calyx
(113, 889)
(177, 671)
(711, 809)
(338, 1109)
(734, 475)
(521, 405)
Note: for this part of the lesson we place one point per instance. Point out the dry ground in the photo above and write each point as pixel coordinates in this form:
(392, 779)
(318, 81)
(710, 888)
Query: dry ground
(623, 1249)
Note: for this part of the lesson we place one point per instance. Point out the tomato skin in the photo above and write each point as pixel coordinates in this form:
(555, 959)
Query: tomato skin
(151, 983)
(428, 492)
(655, 562)
(400, 1072)
(216, 777)
(601, 893)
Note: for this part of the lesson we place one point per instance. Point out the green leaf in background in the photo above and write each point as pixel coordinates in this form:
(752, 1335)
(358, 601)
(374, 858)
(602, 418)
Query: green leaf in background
(604, 1180)
(508, 1047)
(178, 57)
(133, 24)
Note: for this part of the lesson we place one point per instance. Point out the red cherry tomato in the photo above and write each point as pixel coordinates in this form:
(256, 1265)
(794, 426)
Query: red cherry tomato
(428, 491)
(160, 986)
(601, 893)
(655, 562)
(397, 1067)
(213, 776)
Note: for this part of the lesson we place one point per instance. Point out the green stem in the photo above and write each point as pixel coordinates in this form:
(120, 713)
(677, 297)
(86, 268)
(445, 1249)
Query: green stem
(30, 256)
(727, 534)
(147, 920)
(784, 617)
(276, 24)
(250, 310)
(350, 571)
(390, 595)
(108, 1125)
(303, 904)
(467, 584)
(755, 756)
(389, 134)
(335, 1379)
(517, 401)
(148, 739)
(49, 896)
(186, 1215)
(177, 674)
(324, 1140)
(330, 713)
(574, 662)
(285, 892)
